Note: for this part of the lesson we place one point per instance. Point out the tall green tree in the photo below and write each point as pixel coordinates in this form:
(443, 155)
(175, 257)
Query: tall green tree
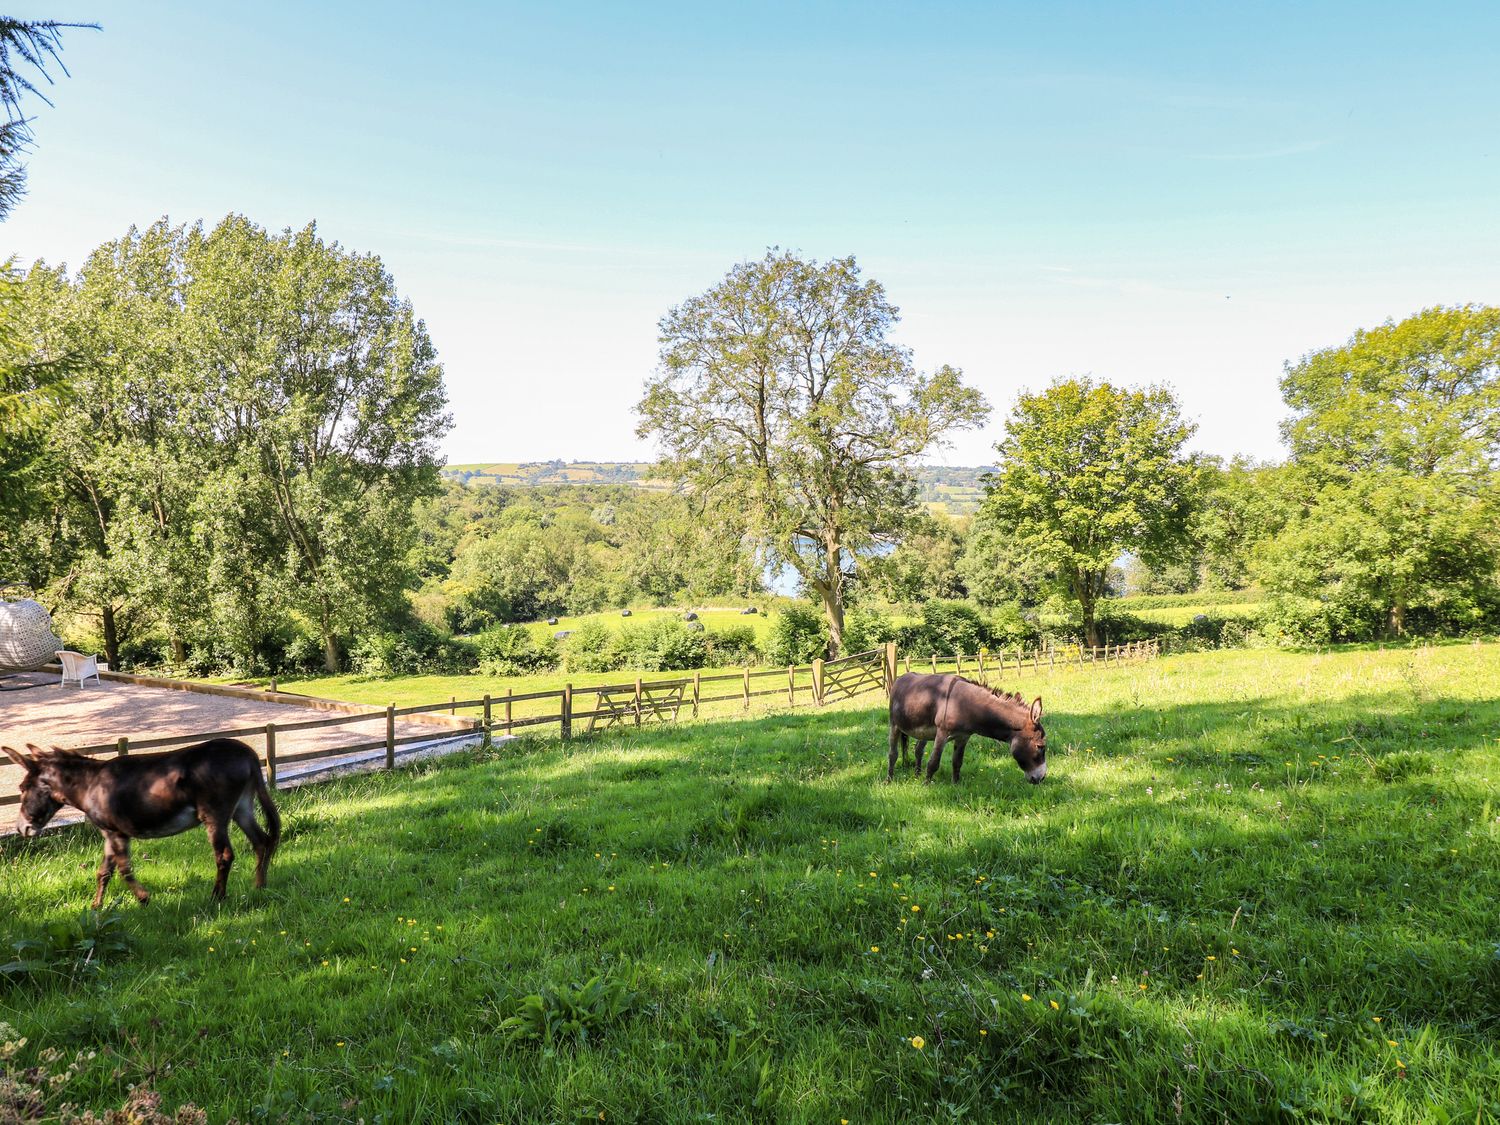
(1395, 438)
(781, 397)
(1089, 471)
(325, 391)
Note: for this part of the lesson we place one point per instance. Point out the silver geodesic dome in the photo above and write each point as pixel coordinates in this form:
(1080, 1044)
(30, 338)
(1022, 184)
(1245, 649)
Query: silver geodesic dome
(26, 638)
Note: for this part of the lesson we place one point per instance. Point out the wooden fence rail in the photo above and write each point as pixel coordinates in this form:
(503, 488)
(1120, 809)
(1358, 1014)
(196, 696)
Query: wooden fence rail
(639, 702)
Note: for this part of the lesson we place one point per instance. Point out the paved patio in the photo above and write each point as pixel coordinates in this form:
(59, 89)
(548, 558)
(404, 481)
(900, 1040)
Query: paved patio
(48, 714)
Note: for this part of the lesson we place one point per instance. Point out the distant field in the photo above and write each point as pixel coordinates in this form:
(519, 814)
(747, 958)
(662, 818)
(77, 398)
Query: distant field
(1256, 886)
(952, 489)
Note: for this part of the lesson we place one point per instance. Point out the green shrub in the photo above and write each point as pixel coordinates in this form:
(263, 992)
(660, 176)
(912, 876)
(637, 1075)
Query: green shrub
(946, 627)
(663, 645)
(732, 645)
(593, 647)
(866, 628)
(799, 635)
(516, 652)
(1009, 628)
(416, 650)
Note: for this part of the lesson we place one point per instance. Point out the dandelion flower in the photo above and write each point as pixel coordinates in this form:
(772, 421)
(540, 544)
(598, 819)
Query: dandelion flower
(1026, 998)
(1392, 1042)
(1375, 1018)
(916, 909)
(1054, 1003)
(874, 949)
(918, 1042)
(1143, 988)
(982, 1031)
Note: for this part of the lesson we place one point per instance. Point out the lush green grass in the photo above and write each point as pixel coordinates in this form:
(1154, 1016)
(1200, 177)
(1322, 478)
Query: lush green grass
(1179, 615)
(1255, 886)
(713, 619)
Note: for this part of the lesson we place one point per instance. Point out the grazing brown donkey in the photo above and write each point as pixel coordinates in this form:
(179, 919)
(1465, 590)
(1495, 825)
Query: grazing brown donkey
(936, 708)
(153, 795)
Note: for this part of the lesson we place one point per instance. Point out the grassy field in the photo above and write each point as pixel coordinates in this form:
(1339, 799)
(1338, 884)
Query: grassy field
(1179, 615)
(1256, 886)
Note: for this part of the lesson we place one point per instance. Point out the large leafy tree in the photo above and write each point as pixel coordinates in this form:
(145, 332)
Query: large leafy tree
(780, 397)
(1087, 472)
(324, 392)
(1395, 438)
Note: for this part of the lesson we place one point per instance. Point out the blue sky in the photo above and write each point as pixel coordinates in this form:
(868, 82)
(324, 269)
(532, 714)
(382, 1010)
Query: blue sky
(1188, 194)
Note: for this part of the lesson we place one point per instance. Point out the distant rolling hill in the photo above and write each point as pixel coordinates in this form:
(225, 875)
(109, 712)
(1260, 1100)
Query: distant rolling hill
(954, 489)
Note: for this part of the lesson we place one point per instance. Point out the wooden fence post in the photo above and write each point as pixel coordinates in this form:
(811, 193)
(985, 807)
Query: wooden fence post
(1051, 657)
(507, 710)
(567, 711)
(934, 662)
(272, 688)
(890, 666)
(908, 662)
(747, 689)
(817, 671)
(390, 736)
(958, 659)
(981, 663)
(697, 691)
(271, 755)
(791, 686)
(637, 701)
(122, 746)
(488, 715)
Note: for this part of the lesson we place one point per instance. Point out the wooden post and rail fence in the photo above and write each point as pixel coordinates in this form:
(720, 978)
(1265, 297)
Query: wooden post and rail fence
(638, 703)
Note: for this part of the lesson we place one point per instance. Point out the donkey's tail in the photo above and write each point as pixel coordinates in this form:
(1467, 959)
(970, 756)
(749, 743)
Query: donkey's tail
(268, 806)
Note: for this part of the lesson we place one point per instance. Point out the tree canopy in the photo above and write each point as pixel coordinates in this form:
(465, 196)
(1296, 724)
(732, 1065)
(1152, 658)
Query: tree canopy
(781, 398)
(1087, 472)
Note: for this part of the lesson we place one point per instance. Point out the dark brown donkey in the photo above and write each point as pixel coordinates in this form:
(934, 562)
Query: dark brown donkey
(935, 708)
(153, 795)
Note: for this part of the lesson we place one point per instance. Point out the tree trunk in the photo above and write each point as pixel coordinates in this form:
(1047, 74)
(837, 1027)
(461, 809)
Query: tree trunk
(111, 638)
(179, 651)
(832, 590)
(330, 654)
(1396, 624)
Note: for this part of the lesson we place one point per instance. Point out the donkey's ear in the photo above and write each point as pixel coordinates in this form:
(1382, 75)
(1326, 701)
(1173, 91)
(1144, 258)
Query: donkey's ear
(19, 758)
(1036, 709)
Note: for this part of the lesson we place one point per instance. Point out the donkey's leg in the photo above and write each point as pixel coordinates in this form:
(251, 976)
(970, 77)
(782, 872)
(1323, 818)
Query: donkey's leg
(958, 755)
(937, 753)
(106, 870)
(244, 816)
(120, 849)
(917, 754)
(218, 838)
(890, 769)
(905, 749)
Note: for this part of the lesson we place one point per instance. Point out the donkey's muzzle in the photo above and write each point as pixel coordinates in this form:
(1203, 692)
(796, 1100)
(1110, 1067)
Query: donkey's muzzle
(1038, 775)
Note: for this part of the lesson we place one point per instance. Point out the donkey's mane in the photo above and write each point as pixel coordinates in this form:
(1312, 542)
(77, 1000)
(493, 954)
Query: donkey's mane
(998, 693)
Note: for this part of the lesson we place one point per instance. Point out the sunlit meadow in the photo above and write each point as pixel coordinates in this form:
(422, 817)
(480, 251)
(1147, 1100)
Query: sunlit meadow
(1255, 886)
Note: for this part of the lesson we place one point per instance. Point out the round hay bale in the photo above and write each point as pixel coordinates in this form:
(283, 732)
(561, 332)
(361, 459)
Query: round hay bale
(696, 626)
(624, 613)
(551, 621)
(562, 634)
(690, 616)
(749, 609)
(1200, 619)
(26, 638)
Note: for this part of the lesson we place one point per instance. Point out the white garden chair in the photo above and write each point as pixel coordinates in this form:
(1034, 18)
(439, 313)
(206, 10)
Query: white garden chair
(78, 667)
